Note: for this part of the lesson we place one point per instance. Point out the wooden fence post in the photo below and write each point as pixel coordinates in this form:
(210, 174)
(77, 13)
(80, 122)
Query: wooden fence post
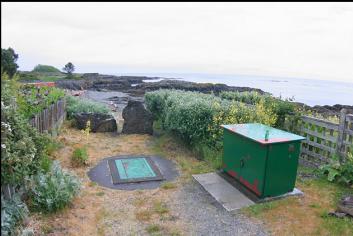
(341, 128)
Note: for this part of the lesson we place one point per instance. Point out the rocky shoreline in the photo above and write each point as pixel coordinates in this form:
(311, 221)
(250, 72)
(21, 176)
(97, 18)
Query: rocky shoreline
(137, 86)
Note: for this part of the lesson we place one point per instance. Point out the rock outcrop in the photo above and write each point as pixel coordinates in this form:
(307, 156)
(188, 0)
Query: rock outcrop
(99, 122)
(332, 110)
(141, 88)
(136, 86)
(72, 84)
(137, 120)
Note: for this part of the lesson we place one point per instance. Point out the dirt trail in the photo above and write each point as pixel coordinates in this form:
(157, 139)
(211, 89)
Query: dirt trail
(101, 211)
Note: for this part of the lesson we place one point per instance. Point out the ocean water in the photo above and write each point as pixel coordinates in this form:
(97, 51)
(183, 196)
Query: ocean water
(308, 91)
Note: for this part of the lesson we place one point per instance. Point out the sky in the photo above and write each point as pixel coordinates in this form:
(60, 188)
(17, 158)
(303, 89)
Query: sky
(306, 40)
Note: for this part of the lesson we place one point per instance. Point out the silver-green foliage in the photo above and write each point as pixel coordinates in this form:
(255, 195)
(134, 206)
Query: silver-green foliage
(13, 211)
(52, 191)
(81, 105)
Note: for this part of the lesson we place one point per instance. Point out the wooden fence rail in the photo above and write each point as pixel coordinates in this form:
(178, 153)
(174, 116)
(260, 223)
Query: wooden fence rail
(49, 120)
(324, 138)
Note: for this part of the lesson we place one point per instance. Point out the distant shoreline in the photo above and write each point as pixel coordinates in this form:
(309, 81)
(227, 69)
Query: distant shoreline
(309, 91)
(138, 85)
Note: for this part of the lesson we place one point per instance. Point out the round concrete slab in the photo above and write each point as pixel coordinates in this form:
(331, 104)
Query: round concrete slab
(101, 174)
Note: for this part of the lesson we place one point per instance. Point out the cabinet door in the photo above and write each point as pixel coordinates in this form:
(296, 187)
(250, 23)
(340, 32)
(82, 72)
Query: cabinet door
(253, 165)
(245, 160)
(281, 168)
(231, 154)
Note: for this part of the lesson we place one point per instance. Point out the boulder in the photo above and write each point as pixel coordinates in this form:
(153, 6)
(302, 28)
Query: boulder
(137, 120)
(99, 122)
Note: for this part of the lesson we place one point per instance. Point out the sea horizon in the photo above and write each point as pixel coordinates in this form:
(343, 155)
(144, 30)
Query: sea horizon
(309, 91)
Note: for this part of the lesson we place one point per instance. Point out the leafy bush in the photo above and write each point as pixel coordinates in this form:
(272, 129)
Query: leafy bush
(80, 156)
(340, 172)
(32, 100)
(22, 147)
(251, 97)
(12, 213)
(52, 191)
(45, 68)
(280, 107)
(80, 105)
(27, 76)
(197, 117)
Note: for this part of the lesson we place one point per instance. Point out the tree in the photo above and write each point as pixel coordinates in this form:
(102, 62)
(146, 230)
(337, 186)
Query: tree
(69, 68)
(8, 61)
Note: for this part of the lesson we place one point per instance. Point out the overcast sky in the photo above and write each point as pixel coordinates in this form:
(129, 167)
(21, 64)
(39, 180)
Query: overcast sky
(308, 40)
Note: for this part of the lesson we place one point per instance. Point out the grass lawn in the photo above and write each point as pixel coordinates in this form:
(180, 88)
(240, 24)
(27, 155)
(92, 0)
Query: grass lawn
(307, 215)
(101, 211)
(46, 77)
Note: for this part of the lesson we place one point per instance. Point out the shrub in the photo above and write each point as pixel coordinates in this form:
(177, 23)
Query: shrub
(52, 191)
(340, 172)
(80, 156)
(12, 213)
(280, 107)
(27, 76)
(197, 117)
(22, 147)
(32, 100)
(80, 105)
(251, 97)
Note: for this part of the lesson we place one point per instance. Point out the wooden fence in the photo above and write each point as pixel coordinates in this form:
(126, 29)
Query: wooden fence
(50, 119)
(7, 191)
(324, 138)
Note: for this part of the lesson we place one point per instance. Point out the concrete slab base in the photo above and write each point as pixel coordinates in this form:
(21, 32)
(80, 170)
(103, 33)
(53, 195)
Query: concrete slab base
(224, 193)
(231, 195)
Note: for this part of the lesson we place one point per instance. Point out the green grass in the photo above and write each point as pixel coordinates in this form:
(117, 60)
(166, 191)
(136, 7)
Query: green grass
(167, 144)
(80, 156)
(337, 226)
(257, 209)
(92, 184)
(168, 185)
(100, 194)
(160, 207)
(53, 146)
(327, 196)
(151, 229)
(209, 155)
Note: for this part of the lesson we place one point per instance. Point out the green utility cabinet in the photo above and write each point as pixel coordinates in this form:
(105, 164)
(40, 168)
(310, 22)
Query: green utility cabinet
(265, 165)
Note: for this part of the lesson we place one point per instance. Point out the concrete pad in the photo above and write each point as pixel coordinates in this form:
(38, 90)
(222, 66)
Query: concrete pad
(224, 193)
(230, 194)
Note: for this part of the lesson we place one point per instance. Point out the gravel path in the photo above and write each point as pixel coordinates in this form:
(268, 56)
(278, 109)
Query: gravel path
(207, 217)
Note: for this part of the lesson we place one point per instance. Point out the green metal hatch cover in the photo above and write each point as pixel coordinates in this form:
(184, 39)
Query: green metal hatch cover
(133, 170)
